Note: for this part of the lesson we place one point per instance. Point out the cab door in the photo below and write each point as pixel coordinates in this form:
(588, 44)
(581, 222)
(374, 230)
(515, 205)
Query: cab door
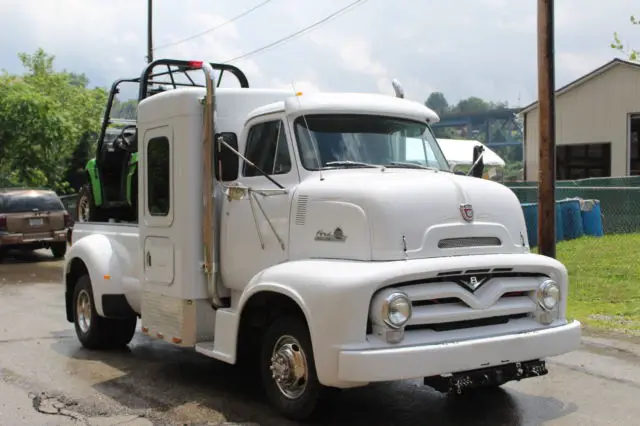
(156, 198)
(255, 230)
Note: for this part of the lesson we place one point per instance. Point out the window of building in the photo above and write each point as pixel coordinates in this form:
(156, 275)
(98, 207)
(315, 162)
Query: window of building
(583, 161)
(267, 148)
(158, 175)
(634, 145)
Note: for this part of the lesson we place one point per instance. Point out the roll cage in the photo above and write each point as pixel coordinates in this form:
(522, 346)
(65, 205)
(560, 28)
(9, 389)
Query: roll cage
(164, 73)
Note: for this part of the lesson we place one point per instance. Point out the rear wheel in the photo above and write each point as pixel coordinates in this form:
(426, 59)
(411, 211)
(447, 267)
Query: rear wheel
(59, 250)
(94, 331)
(288, 368)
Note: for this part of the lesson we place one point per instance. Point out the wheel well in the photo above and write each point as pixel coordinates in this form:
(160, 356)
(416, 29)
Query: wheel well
(78, 269)
(259, 311)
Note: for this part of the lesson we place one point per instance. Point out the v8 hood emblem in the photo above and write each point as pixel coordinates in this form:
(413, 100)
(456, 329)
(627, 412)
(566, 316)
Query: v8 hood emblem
(472, 283)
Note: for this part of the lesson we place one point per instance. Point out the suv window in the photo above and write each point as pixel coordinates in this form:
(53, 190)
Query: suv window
(267, 148)
(21, 203)
(158, 169)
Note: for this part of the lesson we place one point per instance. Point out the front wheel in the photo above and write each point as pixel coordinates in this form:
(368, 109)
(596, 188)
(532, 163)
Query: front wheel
(288, 368)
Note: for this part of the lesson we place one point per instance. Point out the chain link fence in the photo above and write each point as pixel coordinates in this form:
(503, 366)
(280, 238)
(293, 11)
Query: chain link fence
(619, 199)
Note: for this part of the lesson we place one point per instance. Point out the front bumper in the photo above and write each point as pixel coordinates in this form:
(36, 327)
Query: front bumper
(373, 365)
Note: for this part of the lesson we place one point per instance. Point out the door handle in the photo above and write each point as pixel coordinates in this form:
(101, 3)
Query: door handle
(148, 259)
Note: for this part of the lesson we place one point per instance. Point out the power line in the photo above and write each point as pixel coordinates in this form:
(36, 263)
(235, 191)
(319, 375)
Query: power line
(299, 32)
(217, 27)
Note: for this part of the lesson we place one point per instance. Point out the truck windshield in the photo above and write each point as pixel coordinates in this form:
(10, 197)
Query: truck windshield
(365, 141)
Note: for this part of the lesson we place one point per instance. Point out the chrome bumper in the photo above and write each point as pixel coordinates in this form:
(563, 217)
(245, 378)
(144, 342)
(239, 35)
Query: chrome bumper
(372, 365)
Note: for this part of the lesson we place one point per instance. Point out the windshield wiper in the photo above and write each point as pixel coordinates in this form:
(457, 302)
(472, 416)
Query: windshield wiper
(410, 166)
(348, 163)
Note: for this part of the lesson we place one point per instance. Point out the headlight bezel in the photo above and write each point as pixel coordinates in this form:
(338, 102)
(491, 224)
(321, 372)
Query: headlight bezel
(386, 309)
(543, 293)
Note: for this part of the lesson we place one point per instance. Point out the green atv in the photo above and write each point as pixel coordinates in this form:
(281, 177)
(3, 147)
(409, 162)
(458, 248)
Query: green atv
(111, 188)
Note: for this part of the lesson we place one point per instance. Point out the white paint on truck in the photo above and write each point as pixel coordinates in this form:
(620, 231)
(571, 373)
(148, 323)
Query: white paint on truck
(331, 249)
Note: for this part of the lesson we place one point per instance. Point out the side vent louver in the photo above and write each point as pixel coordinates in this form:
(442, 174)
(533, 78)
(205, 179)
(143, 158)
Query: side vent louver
(301, 212)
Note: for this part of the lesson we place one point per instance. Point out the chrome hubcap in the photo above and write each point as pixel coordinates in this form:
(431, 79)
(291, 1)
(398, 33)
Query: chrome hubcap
(289, 367)
(83, 309)
(83, 204)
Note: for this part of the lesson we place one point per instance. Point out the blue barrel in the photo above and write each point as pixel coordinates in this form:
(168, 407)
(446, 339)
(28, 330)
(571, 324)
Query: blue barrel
(530, 211)
(571, 218)
(559, 223)
(592, 218)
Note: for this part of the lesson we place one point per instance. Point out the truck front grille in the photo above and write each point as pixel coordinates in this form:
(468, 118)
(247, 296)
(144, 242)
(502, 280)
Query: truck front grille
(470, 298)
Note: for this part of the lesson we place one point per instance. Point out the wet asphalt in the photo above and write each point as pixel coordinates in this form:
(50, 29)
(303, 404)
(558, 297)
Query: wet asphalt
(46, 378)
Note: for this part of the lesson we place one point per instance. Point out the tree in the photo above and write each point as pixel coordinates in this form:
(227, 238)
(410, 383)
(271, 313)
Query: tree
(43, 115)
(617, 44)
(437, 102)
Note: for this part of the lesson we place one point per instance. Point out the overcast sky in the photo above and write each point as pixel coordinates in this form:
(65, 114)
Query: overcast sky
(484, 48)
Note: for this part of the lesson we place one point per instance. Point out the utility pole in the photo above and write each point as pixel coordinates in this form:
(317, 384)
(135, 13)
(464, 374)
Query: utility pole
(150, 31)
(547, 130)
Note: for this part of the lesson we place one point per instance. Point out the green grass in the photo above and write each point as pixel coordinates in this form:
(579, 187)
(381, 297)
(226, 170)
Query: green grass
(604, 281)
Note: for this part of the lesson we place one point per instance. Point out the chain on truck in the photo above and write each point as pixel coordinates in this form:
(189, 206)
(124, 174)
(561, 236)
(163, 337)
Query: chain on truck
(321, 237)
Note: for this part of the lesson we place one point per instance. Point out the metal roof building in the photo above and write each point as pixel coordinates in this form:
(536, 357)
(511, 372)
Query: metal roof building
(597, 125)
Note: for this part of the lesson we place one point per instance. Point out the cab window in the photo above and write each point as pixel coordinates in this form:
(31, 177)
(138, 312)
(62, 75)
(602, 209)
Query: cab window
(267, 148)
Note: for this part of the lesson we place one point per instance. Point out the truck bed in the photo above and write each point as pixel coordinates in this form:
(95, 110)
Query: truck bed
(115, 230)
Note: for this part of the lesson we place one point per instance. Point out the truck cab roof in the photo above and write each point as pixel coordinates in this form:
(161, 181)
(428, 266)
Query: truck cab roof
(244, 104)
(337, 103)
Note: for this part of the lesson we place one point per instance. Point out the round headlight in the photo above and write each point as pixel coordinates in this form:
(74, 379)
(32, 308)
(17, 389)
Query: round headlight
(396, 310)
(548, 295)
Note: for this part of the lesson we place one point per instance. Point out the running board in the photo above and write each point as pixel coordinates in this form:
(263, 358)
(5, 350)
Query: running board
(206, 348)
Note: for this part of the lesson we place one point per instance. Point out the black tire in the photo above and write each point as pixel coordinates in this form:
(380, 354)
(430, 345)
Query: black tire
(100, 333)
(59, 250)
(301, 405)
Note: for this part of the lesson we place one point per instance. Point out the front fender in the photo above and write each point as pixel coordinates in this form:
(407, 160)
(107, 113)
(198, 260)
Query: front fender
(335, 295)
(335, 304)
(102, 263)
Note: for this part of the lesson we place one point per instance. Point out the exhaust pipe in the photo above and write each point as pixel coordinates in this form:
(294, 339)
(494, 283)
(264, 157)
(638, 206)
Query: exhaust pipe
(209, 233)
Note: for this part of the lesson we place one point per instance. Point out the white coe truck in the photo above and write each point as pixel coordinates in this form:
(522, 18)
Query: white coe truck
(321, 236)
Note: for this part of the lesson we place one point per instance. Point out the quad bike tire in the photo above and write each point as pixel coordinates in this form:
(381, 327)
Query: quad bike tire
(85, 205)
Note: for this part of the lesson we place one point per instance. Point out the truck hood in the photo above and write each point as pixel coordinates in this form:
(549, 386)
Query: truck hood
(393, 214)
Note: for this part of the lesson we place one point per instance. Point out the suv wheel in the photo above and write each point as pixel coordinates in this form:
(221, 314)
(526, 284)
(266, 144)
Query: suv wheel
(59, 250)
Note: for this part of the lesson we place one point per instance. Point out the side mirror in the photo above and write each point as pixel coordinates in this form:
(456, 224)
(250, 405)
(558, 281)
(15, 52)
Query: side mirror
(478, 162)
(227, 159)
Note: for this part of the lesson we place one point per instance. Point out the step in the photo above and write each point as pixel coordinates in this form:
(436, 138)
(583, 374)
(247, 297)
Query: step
(205, 348)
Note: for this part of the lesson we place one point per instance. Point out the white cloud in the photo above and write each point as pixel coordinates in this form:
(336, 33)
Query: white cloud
(463, 48)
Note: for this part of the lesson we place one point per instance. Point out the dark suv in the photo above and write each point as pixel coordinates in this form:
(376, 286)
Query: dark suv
(31, 219)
